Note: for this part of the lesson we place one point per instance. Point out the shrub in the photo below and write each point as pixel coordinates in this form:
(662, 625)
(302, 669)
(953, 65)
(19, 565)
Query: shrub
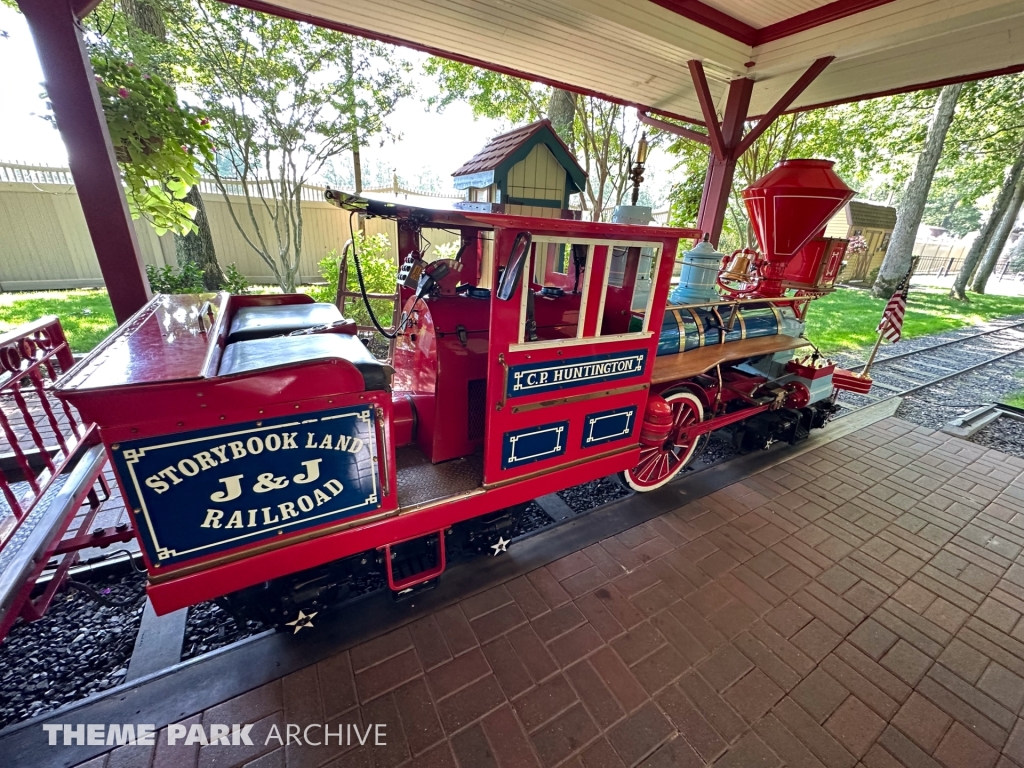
(234, 281)
(379, 271)
(189, 279)
(169, 279)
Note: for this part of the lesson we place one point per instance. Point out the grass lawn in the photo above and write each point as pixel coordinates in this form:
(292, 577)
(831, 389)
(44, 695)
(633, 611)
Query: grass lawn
(842, 321)
(847, 319)
(85, 314)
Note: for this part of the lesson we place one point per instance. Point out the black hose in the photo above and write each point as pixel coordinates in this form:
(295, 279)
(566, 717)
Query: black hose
(362, 285)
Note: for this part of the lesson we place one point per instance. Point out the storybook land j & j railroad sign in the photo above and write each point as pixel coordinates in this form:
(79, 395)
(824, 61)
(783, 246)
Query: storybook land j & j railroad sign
(198, 493)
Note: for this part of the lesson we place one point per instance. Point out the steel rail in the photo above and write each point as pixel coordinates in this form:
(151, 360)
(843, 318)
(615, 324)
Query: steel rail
(938, 380)
(911, 352)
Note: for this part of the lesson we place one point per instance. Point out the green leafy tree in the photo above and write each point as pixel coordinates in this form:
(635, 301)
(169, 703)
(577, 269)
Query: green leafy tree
(899, 255)
(157, 140)
(864, 139)
(489, 94)
(283, 98)
(603, 135)
(986, 157)
(136, 30)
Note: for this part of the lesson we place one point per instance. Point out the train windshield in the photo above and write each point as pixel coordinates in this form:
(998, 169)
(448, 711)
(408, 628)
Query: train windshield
(582, 291)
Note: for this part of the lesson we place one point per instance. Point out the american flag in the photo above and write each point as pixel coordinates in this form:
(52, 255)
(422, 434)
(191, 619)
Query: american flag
(891, 326)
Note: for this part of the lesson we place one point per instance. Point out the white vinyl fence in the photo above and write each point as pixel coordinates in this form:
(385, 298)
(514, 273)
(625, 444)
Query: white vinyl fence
(45, 244)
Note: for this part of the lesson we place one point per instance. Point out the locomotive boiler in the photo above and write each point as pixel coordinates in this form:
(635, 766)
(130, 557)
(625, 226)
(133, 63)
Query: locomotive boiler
(271, 462)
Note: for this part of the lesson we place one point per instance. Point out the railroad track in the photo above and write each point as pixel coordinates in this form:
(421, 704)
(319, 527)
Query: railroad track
(906, 373)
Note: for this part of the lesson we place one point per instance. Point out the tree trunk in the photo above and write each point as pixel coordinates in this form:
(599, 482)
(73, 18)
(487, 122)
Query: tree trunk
(562, 113)
(147, 16)
(999, 238)
(197, 247)
(357, 166)
(901, 245)
(1016, 256)
(980, 244)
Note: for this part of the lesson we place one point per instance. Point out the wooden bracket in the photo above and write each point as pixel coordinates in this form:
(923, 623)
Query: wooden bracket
(707, 107)
(678, 130)
(782, 104)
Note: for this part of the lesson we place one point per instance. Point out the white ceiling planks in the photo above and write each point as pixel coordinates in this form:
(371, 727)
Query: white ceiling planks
(761, 13)
(635, 51)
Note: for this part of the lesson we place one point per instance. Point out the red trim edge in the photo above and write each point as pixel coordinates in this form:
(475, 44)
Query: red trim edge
(716, 20)
(1011, 70)
(834, 11)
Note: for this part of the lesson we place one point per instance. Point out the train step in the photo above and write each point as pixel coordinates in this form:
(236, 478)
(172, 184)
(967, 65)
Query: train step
(414, 565)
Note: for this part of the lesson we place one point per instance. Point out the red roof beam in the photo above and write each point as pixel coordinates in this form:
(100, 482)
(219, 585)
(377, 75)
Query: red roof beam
(678, 130)
(707, 107)
(730, 26)
(782, 104)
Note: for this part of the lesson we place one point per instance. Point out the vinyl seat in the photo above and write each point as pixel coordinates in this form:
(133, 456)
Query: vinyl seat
(262, 322)
(278, 351)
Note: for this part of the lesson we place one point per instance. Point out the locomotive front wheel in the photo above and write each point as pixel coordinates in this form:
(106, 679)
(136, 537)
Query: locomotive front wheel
(661, 463)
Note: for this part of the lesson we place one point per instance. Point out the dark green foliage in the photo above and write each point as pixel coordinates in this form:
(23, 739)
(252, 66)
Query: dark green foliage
(234, 281)
(168, 279)
(159, 142)
(379, 271)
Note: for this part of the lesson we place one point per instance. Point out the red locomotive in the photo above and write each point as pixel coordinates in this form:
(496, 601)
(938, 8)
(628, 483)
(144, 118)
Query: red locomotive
(269, 459)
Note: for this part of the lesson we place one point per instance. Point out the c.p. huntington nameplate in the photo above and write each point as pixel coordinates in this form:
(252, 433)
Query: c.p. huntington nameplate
(197, 493)
(554, 375)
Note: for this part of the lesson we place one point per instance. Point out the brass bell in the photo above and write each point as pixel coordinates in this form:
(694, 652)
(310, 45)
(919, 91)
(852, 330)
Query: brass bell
(738, 268)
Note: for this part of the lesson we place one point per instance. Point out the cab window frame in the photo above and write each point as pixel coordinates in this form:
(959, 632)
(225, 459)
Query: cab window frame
(592, 243)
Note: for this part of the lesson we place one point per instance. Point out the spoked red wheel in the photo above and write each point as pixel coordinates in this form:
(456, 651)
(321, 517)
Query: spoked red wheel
(661, 463)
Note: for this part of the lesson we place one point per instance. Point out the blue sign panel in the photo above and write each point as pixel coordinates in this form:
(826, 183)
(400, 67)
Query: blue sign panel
(608, 426)
(197, 493)
(525, 446)
(554, 375)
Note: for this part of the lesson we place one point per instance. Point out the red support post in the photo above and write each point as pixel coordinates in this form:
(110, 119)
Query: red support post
(71, 89)
(718, 182)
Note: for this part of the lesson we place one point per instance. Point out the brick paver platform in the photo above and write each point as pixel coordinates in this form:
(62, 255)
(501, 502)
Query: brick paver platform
(859, 604)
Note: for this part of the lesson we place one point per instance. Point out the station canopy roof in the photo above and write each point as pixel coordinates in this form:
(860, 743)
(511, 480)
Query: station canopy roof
(636, 51)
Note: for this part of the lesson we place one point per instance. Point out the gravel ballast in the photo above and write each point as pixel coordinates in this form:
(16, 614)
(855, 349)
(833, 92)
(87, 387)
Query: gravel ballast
(587, 496)
(1004, 434)
(936, 406)
(78, 648)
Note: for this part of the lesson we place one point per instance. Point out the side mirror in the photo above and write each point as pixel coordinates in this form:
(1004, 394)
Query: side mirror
(514, 268)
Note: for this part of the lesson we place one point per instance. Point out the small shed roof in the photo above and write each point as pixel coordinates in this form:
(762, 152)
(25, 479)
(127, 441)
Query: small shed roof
(871, 215)
(504, 151)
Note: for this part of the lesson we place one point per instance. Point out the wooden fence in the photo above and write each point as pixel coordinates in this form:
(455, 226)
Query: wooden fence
(45, 244)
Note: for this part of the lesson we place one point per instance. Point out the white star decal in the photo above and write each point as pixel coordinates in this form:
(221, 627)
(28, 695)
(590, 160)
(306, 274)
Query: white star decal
(302, 621)
(501, 546)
